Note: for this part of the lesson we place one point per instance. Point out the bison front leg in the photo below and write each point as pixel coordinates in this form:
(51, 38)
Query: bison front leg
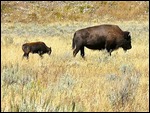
(109, 51)
(40, 53)
(41, 56)
(109, 47)
(25, 55)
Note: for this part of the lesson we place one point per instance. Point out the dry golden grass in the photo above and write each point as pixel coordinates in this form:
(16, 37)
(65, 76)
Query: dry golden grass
(60, 82)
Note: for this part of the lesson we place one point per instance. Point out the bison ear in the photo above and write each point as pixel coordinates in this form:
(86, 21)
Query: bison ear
(127, 35)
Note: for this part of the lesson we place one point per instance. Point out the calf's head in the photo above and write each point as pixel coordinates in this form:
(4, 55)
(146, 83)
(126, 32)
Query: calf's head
(49, 50)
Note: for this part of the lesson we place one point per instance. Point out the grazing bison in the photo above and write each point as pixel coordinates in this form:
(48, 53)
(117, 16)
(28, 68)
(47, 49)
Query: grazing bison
(109, 37)
(35, 47)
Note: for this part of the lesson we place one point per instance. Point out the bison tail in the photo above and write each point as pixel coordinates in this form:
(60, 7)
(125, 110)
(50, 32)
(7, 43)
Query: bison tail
(73, 42)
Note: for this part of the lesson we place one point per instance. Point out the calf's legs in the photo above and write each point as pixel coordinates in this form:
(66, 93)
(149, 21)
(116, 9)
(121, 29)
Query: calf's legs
(25, 55)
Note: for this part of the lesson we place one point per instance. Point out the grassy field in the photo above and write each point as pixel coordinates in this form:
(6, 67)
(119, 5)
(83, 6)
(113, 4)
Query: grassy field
(60, 82)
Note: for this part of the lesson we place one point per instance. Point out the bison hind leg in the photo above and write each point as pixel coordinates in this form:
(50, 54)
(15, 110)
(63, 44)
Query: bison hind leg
(82, 51)
(76, 50)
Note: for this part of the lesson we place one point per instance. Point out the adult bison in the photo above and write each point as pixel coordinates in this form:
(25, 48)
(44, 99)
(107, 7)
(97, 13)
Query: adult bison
(109, 37)
(35, 47)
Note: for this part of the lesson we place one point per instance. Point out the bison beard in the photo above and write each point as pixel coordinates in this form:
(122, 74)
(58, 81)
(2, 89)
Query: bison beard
(109, 37)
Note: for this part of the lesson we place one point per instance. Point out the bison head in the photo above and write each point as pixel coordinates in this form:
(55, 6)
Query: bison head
(49, 50)
(127, 41)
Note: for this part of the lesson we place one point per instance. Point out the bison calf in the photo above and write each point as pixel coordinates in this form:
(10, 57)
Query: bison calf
(35, 47)
(109, 37)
